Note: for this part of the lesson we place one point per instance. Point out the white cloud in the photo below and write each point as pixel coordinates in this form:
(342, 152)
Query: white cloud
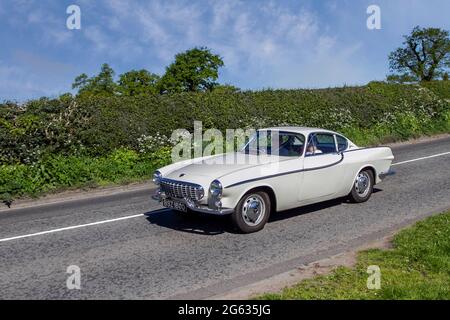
(269, 44)
(222, 12)
(27, 17)
(264, 44)
(98, 38)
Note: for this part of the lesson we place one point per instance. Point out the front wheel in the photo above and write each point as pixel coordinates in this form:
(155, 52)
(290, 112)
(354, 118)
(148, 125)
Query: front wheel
(363, 186)
(252, 212)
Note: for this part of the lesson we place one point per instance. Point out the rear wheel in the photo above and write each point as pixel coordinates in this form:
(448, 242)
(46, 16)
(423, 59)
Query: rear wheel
(363, 186)
(252, 212)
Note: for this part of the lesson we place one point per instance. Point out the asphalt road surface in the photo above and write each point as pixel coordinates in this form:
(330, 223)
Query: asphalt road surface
(127, 246)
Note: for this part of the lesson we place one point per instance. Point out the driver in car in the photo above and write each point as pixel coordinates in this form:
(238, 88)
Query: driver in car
(312, 150)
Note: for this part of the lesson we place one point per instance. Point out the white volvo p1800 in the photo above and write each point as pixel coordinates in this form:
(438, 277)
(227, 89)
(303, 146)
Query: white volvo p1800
(300, 166)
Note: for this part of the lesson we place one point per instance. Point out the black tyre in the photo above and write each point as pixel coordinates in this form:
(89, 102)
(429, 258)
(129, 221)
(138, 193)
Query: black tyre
(363, 186)
(252, 212)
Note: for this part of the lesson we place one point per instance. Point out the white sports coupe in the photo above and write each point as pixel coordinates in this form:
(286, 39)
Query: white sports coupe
(292, 167)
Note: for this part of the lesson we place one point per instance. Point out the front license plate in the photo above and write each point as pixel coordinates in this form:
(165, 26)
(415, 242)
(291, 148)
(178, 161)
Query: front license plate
(176, 205)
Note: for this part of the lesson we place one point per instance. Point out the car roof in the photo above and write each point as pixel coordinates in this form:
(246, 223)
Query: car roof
(303, 130)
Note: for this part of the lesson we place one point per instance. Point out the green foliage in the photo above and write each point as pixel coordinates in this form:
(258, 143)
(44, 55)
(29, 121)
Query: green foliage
(102, 84)
(58, 172)
(192, 71)
(226, 88)
(425, 55)
(417, 268)
(80, 131)
(40, 127)
(440, 88)
(401, 78)
(98, 125)
(138, 83)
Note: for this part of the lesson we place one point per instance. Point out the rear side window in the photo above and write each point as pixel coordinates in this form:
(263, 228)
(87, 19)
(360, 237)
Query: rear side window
(342, 143)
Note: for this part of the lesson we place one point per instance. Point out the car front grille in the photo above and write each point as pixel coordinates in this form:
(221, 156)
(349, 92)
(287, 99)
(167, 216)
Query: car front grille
(182, 190)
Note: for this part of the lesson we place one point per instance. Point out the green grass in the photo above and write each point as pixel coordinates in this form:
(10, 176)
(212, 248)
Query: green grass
(418, 267)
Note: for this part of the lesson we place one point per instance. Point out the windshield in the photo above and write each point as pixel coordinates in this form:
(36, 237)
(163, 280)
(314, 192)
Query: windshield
(284, 144)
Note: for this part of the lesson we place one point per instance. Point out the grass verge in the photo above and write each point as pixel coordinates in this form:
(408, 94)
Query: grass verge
(59, 173)
(418, 267)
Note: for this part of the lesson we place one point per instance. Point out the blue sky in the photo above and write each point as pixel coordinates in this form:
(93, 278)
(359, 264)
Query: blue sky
(277, 44)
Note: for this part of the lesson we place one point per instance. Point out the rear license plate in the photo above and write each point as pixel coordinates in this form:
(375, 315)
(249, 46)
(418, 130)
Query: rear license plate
(176, 205)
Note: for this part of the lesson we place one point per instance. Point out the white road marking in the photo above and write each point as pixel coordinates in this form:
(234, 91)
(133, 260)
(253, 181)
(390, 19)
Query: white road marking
(142, 214)
(422, 158)
(71, 228)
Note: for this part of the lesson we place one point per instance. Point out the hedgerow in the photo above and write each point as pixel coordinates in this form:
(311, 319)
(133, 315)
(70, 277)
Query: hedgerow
(58, 172)
(440, 88)
(47, 144)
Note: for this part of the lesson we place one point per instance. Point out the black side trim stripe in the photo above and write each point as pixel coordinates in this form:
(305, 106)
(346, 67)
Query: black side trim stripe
(286, 173)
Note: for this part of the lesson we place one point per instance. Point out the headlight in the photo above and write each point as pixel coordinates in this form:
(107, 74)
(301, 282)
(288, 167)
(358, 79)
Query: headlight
(157, 177)
(216, 189)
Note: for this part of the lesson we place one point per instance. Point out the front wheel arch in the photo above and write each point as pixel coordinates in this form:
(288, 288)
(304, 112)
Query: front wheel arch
(255, 201)
(270, 192)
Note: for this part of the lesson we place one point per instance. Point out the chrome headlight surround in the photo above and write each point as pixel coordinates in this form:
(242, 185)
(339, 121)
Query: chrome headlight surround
(157, 176)
(216, 189)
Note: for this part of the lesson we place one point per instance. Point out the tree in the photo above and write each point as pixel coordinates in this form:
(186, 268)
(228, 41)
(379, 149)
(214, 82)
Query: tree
(81, 81)
(193, 70)
(425, 55)
(102, 84)
(138, 82)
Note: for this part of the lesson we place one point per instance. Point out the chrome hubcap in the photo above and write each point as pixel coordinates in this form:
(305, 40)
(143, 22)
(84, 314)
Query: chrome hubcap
(362, 184)
(253, 210)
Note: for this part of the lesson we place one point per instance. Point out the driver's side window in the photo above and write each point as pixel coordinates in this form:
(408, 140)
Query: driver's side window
(320, 143)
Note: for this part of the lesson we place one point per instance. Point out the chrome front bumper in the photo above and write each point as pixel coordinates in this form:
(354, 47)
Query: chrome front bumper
(383, 175)
(159, 196)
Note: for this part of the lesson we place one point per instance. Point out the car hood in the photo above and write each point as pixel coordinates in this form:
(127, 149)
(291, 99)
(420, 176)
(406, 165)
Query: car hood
(204, 171)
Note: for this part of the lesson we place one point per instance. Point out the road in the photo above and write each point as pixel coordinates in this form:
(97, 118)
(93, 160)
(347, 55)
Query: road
(128, 247)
